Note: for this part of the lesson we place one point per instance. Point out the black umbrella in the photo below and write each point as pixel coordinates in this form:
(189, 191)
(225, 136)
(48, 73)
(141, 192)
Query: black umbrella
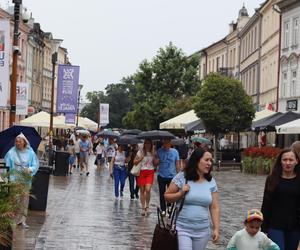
(8, 137)
(131, 132)
(128, 139)
(108, 134)
(156, 135)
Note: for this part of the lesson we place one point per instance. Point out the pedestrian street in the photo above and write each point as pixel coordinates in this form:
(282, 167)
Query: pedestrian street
(82, 213)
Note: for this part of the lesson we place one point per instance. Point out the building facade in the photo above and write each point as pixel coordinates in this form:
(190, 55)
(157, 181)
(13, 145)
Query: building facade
(249, 57)
(270, 26)
(289, 84)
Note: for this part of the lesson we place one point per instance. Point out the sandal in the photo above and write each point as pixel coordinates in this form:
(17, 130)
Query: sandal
(143, 213)
(147, 211)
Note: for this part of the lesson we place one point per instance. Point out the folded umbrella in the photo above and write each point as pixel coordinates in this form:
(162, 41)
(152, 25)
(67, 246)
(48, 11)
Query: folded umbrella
(156, 135)
(8, 136)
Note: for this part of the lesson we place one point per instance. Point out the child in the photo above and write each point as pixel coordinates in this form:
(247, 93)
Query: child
(250, 238)
(71, 151)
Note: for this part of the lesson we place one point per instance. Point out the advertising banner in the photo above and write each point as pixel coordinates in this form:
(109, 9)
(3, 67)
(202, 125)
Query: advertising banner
(70, 118)
(4, 62)
(67, 89)
(22, 98)
(104, 113)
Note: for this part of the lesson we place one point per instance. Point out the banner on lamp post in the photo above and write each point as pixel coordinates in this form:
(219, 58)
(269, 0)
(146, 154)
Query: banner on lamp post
(22, 98)
(67, 89)
(4, 61)
(104, 113)
(70, 118)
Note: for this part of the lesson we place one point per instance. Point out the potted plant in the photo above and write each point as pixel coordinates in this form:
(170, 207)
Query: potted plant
(11, 195)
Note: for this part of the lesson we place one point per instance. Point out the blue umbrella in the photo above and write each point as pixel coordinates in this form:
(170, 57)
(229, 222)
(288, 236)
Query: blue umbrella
(8, 136)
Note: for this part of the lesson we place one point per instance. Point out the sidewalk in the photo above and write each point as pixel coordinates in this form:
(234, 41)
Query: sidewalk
(83, 214)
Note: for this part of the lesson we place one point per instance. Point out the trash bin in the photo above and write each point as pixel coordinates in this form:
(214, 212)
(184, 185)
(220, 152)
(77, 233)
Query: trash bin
(61, 163)
(39, 189)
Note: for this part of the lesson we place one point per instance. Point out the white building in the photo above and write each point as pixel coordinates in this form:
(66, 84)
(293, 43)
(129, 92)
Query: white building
(289, 89)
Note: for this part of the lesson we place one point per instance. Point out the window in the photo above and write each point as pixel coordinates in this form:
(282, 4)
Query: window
(218, 63)
(255, 38)
(296, 31)
(284, 84)
(293, 83)
(286, 34)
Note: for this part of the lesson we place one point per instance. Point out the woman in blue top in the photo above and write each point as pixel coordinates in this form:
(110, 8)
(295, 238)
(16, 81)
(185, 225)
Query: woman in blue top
(21, 158)
(201, 202)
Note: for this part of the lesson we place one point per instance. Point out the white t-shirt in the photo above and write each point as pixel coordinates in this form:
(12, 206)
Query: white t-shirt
(110, 151)
(100, 149)
(76, 144)
(241, 240)
(120, 158)
(147, 162)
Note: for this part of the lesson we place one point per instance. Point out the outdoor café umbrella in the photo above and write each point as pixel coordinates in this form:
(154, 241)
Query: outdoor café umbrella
(201, 140)
(128, 139)
(8, 136)
(108, 134)
(131, 132)
(156, 135)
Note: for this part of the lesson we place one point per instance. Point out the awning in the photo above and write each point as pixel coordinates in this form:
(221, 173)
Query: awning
(269, 123)
(292, 127)
(263, 114)
(183, 121)
(198, 128)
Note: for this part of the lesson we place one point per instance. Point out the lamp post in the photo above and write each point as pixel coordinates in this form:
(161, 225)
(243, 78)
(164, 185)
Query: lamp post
(80, 86)
(16, 51)
(55, 43)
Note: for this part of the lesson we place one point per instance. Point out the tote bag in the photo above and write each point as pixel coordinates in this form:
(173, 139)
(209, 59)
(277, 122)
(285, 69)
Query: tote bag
(136, 169)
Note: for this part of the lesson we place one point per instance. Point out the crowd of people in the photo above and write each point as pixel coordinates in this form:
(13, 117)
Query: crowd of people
(275, 226)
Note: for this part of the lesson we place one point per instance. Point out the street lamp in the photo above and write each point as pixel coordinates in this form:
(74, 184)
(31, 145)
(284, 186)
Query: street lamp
(16, 51)
(55, 43)
(80, 86)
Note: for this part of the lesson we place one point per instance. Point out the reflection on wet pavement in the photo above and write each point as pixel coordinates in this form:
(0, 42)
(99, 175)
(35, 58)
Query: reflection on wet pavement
(82, 213)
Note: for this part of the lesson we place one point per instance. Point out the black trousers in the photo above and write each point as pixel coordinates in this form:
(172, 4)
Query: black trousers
(163, 183)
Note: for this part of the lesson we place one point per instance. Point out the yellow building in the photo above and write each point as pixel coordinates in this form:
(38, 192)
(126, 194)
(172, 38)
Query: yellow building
(269, 58)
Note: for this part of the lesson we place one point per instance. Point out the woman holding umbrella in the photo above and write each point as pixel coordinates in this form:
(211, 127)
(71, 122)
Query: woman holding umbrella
(148, 160)
(22, 160)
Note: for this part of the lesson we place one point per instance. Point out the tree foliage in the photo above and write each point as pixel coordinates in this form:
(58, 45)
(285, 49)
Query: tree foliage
(159, 86)
(223, 105)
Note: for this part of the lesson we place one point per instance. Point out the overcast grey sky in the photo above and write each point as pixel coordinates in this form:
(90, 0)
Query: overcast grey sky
(109, 38)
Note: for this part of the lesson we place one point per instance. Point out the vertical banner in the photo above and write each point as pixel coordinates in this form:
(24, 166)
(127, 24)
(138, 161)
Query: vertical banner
(67, 89)
(22, 98)
(104, 113)
(70, 118)
(4, 62)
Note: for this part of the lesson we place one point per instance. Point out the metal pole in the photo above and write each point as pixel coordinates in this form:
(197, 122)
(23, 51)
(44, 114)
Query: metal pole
(54, 59)
(14, 76)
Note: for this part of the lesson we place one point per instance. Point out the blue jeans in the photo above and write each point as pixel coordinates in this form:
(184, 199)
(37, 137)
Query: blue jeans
(285, 240)
(134, 189)
(120, 175)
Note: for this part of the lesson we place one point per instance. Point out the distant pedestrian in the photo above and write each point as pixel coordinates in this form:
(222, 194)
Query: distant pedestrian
(119, 171)
(281, 201)
(85, 148)
(71, 151)
(99, 155)
(148, 159)
(110, 153)
(133, 187)
(201, 205)
(22, 159)
(250, 238)
(77, 149)
(167, 169)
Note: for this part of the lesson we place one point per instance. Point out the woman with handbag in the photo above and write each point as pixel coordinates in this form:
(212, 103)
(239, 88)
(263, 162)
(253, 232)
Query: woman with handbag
(201, 202)
(148, 160)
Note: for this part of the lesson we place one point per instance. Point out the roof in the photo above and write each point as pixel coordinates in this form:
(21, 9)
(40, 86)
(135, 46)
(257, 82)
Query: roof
(183, 121)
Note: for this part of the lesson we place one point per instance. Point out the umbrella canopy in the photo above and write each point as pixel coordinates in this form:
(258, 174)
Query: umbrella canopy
(292, 127)
(156, 135)
(108, 134)
(83, 132)
(269, 123)
(8, 136)
(177, 142)
(131, 132)
(128, 139)
(201, 140)
(183, 121)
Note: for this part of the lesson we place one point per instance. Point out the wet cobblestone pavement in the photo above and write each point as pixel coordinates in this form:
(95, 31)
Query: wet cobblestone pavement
(83, 214)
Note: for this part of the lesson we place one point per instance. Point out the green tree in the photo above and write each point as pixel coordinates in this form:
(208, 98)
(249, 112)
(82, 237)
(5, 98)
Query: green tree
(157, 85)
(223, 105)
